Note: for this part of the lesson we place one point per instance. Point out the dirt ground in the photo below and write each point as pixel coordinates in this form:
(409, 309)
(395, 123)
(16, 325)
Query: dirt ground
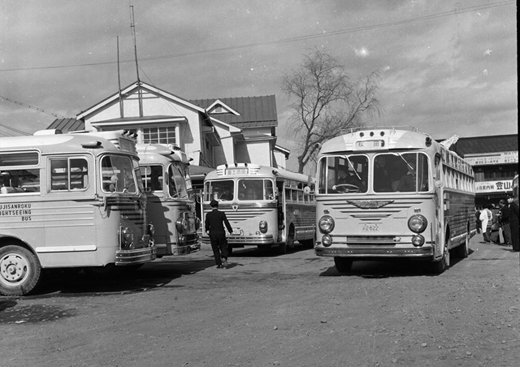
(273, 310)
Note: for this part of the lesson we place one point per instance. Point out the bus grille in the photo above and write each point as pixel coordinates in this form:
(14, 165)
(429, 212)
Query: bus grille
(128, 207)
(371, 213)
(244, 214)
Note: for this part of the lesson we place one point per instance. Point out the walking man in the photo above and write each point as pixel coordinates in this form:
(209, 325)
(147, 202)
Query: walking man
(214, 225)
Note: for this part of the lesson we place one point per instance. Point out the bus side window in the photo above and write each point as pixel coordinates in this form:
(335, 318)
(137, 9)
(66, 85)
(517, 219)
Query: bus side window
(78, 174)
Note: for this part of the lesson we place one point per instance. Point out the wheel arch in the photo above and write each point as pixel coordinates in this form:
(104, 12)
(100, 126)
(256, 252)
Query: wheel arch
(12, 240)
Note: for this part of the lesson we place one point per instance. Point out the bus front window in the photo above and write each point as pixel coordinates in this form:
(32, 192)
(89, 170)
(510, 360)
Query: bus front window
(257, 189)
(219, 190)
(177, 182)
(343, 175)
(117, 174)
(400, 172)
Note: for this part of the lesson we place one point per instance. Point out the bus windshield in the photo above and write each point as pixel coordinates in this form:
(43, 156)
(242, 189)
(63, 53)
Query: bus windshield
(117, 173)
(219, 190)
(255, 189)
(390, 172)
(339, 175)
(400, 172)
(177, 182)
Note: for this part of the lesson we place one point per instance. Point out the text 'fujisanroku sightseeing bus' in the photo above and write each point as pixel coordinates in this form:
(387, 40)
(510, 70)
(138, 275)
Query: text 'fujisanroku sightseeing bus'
(171, 205)
(265, 206)
(385, 193)
(69, 201)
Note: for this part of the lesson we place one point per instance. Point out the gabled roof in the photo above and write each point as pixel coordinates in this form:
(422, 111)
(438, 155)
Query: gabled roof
(486, 144)
(66, 125)
(254, 111)
(130, 89)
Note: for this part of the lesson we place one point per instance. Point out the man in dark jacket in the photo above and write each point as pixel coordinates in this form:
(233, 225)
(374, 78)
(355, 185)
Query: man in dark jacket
(513, 223)
(504, 221)
(215, 221)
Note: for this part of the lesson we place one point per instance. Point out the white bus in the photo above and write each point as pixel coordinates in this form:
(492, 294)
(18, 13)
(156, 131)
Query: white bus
(265, 206)
(171, 204)
(69, 201)
(407, 196)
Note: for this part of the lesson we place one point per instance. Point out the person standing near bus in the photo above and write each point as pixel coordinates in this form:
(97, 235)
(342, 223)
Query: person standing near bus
(214, 225)
(504, 221)
(485, 219)
(513, 223)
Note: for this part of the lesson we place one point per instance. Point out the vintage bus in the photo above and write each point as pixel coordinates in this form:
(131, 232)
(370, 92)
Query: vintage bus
(406, 196)
(265, 206)
(171, 205)
(69, 201)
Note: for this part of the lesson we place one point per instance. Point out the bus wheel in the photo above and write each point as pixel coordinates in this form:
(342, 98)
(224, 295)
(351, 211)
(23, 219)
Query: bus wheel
(20, 270)
(343, 265)
(229, 250)
(462, 251)
(438, 267)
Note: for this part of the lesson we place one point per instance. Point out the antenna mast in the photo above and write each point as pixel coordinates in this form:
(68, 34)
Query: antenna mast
(139, 92)
(121, 107)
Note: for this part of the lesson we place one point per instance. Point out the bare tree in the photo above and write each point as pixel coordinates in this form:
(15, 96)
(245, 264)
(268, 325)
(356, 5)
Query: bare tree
(326, 102)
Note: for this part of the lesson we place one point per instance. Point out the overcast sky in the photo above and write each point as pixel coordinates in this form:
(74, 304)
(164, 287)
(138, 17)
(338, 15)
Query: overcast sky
(448, 67)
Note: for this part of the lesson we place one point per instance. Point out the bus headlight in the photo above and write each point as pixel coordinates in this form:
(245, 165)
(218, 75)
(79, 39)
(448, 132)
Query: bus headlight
(418, 240)
(127, 237)
(180, 224)
(326, 240)
(263, 226)
(326, 224)
(417, 223)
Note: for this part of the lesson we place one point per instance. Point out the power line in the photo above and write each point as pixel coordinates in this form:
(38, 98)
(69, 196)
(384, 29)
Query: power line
(32, 107)
(12, 129)
(288, 40)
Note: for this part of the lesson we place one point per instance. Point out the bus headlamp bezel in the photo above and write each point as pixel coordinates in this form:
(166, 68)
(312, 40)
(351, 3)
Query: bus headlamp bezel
(417, 223)
(326, 224)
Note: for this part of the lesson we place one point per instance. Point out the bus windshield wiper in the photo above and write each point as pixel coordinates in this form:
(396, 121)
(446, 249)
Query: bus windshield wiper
(352, 166)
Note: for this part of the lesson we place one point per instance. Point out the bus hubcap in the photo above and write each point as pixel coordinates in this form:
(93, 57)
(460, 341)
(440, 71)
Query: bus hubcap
(13, 268)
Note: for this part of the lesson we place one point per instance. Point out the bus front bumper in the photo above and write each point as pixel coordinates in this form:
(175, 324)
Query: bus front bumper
(374, 251)
(245, 240)
(136, 256)
(177, 250)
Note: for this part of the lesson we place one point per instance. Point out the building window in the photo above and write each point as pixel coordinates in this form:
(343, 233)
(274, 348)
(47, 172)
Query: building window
(160, 135)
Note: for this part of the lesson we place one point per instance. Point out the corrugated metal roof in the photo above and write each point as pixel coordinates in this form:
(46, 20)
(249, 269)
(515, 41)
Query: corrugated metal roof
(66, 125)
(486, 144)
(254, 111)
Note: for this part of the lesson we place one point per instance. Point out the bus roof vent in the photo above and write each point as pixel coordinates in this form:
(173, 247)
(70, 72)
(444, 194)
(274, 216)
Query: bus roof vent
(48, 132)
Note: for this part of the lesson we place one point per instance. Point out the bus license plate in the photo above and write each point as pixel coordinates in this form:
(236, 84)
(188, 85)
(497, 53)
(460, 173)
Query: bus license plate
(370, 227)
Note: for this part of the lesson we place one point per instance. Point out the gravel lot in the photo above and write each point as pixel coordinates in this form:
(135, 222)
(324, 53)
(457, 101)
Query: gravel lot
(273, 310)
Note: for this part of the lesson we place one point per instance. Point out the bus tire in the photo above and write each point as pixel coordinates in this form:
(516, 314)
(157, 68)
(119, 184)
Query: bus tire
(20, 270)
(462, 251)
(343, 265)
(438, 267)
(229, 250)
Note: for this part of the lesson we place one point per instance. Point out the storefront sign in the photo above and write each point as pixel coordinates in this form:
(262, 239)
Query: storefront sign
(491, 158)
(493, 186)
